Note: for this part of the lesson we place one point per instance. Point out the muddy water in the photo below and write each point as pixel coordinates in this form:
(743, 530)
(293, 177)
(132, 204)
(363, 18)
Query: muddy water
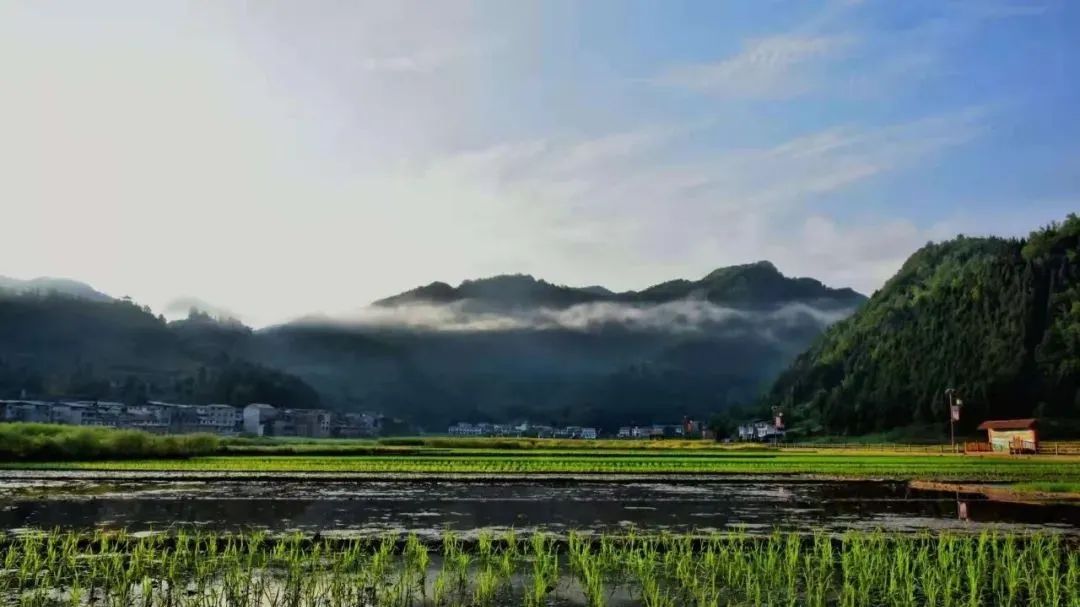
(368, 507)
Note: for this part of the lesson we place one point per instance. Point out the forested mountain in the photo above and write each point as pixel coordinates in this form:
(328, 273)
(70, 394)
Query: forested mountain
(56, 345)
(517, 347)
(998, 320)
(491, 349)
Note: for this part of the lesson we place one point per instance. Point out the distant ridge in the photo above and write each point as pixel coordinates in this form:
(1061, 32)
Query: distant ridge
(45, 284)
(755, 284)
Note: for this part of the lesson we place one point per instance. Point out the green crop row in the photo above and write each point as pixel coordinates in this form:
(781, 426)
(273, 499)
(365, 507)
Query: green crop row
(856, 569)
(930, 467)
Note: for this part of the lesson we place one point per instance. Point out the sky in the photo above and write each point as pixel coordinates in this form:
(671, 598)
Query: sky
(284, 158)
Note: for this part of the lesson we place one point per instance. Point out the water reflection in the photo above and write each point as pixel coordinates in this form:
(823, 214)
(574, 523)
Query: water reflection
(374, 507)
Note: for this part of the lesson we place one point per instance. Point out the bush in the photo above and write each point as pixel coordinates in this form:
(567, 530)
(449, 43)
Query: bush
(53, 442)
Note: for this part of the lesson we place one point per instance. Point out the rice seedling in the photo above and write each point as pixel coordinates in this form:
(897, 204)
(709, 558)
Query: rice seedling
(464, 461)
(199, 569)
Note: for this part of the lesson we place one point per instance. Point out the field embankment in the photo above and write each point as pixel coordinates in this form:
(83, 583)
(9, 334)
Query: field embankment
(1025, 492)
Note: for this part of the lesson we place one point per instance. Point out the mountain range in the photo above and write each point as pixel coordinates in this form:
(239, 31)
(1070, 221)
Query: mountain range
(753, 285)
(496, 348)
(996, 319)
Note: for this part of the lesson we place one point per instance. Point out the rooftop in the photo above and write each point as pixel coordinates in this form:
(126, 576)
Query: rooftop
(1008, 424)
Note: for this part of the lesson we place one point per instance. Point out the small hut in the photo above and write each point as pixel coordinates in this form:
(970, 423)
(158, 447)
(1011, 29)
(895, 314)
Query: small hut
(1012, 435)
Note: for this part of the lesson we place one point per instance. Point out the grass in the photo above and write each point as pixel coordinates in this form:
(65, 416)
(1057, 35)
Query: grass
(844, 464)
(52, 442)
(188, 569)
(1047, 487)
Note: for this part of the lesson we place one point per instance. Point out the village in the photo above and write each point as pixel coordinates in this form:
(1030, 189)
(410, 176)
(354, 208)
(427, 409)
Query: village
(756, 431)
(262, 419)
(1015, 436)
(255, 419)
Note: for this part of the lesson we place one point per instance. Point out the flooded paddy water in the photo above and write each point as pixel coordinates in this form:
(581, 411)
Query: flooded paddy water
(362, 506)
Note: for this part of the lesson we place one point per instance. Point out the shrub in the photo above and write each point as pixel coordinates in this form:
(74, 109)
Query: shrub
(53, 442)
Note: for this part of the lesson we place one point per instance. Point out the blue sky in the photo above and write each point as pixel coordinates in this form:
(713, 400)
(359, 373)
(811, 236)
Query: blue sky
(284, 158)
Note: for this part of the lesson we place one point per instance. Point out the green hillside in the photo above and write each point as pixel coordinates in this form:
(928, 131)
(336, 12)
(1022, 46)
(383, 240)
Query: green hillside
(996, 319)
(59, 345)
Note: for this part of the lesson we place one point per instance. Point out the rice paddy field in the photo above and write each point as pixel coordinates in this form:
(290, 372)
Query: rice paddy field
(847, 464)
(499, 523)
(203, 570)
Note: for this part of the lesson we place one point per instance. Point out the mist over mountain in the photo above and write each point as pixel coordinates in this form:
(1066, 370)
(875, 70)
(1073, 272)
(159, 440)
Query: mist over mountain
(182, 307)
(498, 348)
(46, 285)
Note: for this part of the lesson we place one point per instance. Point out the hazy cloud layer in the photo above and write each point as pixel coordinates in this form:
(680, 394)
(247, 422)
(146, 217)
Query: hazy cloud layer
(685, 316)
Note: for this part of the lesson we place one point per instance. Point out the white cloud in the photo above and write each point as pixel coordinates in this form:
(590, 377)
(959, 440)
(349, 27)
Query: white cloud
(863, 255)
(772, 67)
(286, 158)
(620, 205)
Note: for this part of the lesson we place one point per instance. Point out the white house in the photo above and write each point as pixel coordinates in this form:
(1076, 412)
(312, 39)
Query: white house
(466, 429)
(257, 416)
(760, 431)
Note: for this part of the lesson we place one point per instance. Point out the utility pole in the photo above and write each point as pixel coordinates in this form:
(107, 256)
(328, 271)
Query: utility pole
(954, 403)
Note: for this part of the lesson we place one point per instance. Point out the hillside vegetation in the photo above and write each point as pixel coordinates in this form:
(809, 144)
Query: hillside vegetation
(58, 345)
(996, 319)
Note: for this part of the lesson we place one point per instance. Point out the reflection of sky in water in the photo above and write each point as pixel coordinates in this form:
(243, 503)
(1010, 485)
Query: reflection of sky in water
(344, 506)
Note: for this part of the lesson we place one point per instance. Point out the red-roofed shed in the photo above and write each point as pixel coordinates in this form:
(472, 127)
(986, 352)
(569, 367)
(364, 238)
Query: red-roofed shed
(1012, 435)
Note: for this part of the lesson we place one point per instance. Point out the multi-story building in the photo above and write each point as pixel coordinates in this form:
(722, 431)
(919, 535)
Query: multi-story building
(27, 411)
(220, 419)
(764, 431)
(355, 425)
(184, 419)
(103, 414)
(466, 429)
(522, 429)
(67, 413)
(313, 423)
(258, 418)
(150, 417)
